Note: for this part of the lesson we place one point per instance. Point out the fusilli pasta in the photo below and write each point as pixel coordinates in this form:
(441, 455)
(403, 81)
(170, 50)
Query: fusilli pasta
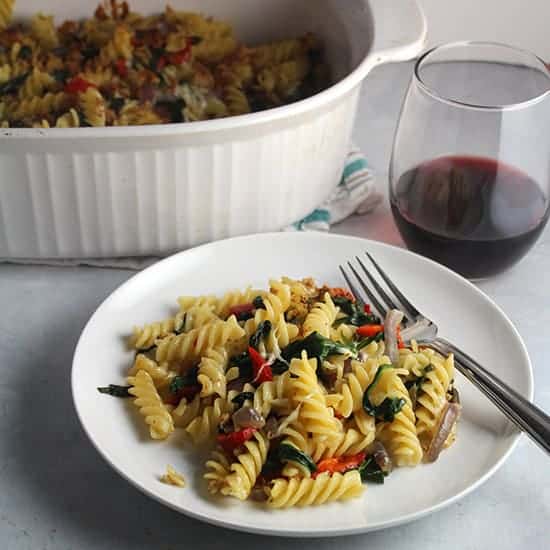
(297, 408)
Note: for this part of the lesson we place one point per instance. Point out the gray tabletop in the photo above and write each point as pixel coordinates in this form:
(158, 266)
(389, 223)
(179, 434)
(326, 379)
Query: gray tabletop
(56, 491)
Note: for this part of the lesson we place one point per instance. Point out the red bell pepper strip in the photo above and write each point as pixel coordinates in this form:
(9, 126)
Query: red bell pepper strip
(367, 309)
(240, 309)
(340, 464)
(161, 62)
(261, 368)
(121, 67)
(369, 330)
(181, 56)
(400, 343)
(77, 85)
(343, 292)
(231, 441)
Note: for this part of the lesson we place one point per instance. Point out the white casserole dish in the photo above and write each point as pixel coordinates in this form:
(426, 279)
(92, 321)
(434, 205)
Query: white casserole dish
(140, 190)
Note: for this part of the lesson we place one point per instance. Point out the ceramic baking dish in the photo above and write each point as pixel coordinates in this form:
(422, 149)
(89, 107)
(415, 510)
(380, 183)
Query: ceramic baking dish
(139, 190)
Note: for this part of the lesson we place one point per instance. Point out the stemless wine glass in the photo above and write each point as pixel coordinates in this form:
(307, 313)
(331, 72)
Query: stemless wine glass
(470, 169)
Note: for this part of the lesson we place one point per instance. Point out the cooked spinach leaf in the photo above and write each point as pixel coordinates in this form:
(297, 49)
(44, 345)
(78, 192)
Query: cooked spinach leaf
(13, 84)
(290, 453)
(240, 398)
(258, 302)
(188, 379)
(317, 346)
(370, 471)
(243, 363)
(389, 407)
(115, 390)
(263, 330)
(354, 314)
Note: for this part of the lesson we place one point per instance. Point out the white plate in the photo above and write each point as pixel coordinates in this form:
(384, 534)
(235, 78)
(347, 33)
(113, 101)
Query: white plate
(465, 315)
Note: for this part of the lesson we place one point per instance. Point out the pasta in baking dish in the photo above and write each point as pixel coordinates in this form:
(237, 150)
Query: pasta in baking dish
(120, 68)
(294, 388)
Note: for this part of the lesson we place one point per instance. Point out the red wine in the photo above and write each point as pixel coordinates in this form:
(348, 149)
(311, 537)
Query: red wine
(472, 214)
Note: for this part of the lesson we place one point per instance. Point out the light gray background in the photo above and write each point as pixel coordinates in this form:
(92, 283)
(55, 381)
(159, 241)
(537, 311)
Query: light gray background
(57, 493)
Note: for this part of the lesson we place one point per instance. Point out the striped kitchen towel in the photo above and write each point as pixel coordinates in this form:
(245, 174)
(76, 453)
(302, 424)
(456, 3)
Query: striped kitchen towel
(355, 194)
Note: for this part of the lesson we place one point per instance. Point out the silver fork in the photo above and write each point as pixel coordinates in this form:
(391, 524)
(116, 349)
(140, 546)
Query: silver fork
(382, 295)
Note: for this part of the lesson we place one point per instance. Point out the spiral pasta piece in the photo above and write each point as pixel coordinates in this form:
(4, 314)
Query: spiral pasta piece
(279, 52)
(119, 47)
(349, 442)
(284, 493)
(220, 306)
(321, 318)
(247, 468)
(343, 333)
(399, 436)
(217, 470)
(146, 336)
(433, 396)
(236, 100)
(6, 9)
(39, 106)
(205, 424)
(211, 375)
(150, 405)
(272, 396)
(186, 411)
(43, 31)
(414, 362)
(215, 49)
(304, 390)
(92, 106)
(193, 344)
(70, 119)
(36, 84)
(364, 423)
(281, 334)
(158, 373)
(135, 114)
(354, 385)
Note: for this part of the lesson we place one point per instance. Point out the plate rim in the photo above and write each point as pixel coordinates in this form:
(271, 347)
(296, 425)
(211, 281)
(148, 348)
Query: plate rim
(514, 436)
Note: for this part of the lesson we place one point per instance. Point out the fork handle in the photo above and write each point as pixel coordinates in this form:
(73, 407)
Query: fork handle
(524, 414)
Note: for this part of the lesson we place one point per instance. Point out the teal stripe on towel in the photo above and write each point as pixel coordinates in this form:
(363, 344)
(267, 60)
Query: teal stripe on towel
(359, 164)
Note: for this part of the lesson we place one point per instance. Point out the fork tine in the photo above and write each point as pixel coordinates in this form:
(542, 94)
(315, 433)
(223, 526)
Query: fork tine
(411, 311)
(352, 287)
(381, 292)
(372, 297)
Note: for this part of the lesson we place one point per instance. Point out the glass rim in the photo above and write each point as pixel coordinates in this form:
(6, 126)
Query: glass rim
(456, 102)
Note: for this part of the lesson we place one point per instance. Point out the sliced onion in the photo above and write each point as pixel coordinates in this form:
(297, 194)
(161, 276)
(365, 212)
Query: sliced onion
(447, 419)
(414, 331)
(381, 457)
(391, 322)
(248, 417)
(455, 396)
(271, 427)
(347, 366)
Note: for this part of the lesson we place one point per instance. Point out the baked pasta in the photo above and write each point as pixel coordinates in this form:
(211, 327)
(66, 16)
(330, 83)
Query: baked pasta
(121, 68)
(293, 387)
